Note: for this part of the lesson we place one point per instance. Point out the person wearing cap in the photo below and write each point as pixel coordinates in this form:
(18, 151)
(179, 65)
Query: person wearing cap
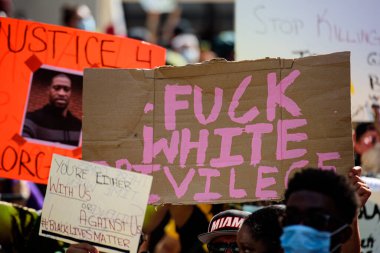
(222, 231)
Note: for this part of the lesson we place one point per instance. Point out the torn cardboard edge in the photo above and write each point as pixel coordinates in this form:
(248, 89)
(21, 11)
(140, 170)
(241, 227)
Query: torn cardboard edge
(204, 68)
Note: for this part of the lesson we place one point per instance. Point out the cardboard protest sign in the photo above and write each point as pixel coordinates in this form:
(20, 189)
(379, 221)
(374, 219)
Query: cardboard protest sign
(369, 218)
(279, 29)
(32, 55)
(221, 131)
(93, 203)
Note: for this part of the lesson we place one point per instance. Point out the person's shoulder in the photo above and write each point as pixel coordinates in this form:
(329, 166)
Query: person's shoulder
(74, 120)
(33, 115)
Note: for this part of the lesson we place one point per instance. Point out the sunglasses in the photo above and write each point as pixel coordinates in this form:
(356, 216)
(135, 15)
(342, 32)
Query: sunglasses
(222, 247)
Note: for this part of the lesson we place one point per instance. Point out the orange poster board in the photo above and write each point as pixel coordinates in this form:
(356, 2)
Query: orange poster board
(31, 54)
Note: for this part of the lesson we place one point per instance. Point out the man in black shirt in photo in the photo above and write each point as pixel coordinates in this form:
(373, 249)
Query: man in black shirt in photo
(54, 122)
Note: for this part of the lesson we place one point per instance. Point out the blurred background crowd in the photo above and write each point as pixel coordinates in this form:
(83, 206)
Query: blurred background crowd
(192, 31)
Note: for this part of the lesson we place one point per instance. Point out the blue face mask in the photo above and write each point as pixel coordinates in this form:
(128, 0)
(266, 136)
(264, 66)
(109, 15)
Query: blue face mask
(304, 239)
(87, 24)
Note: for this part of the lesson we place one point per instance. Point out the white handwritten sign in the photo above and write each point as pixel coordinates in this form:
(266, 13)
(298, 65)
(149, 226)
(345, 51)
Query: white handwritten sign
(87, 202)
(269, 28)
(369, 223)
(369, 218)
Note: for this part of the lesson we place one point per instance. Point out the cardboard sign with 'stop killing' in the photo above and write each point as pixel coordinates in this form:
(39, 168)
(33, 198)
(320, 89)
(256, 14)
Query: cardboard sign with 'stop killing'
(87, 202)
(221, 131)
(41, 76)
(278, 29)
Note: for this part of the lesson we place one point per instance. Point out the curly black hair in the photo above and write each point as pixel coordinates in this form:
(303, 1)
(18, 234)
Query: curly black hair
(330, 184)
(265, 225)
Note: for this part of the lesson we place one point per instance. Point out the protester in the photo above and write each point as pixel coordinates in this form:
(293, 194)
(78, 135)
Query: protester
(320, 203)
(78, 16)
(222, 231)
(19, 227)
(261, 231)
(320, 208)
(220, 236)
(363, 193)
(156, 11)
(187, 45)
(14, 191)
(367, 148)
(370, 161)
(54, 122)
(365, 138)
(5, 8)
(139, 33)
(224, 44)
(21, 192)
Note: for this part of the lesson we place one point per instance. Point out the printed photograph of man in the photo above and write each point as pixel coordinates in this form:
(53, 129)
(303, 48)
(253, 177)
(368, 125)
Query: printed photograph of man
(53, 121)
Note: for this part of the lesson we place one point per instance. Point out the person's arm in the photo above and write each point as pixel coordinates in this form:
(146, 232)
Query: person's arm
(363, 192)
(82, 248)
